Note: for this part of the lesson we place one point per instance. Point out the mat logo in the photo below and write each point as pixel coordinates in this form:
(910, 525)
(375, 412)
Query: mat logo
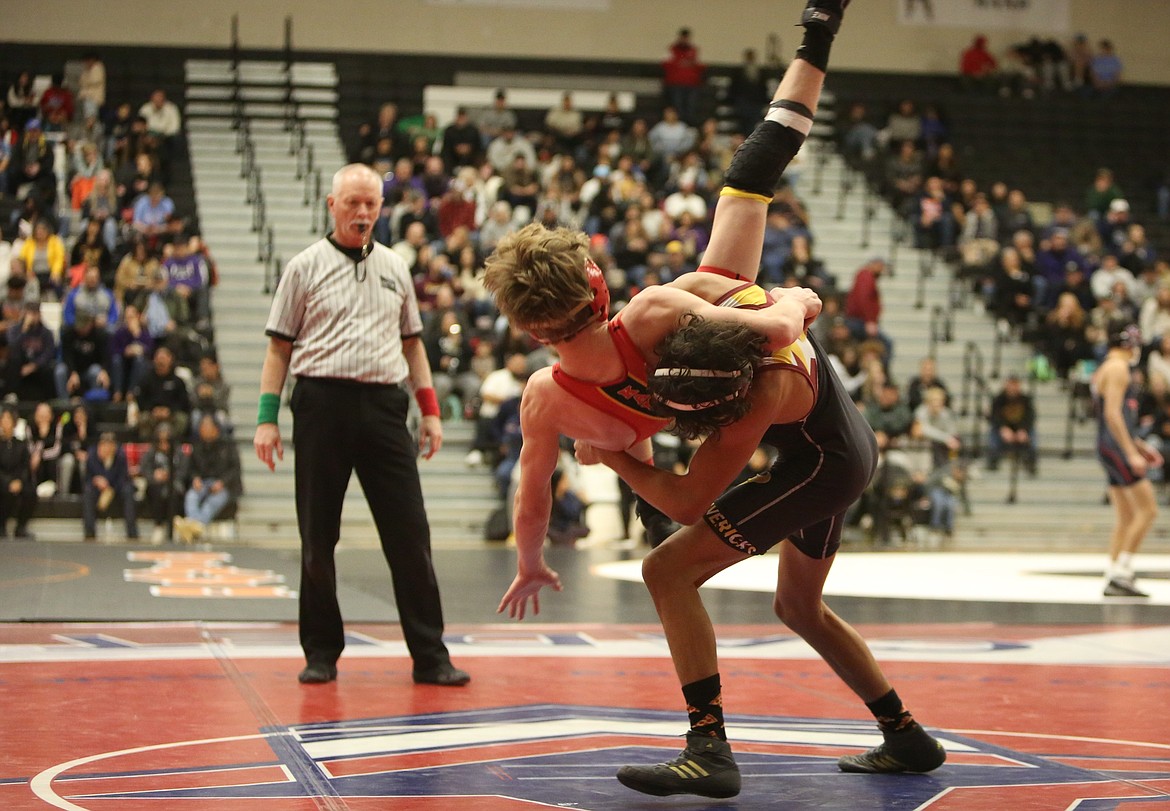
(204, 575)
(505, 758)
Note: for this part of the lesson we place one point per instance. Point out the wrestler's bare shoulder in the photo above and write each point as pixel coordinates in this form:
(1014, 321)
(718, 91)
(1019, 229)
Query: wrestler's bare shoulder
(556, 409)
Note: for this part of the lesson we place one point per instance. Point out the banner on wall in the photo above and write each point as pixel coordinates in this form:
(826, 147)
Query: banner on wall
(1037, 16)
(547, 5)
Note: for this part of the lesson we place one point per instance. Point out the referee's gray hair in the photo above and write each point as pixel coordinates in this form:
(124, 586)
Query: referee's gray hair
(354, 168)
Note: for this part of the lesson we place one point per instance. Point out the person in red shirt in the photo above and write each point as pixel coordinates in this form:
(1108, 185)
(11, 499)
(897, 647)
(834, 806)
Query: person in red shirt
(977, 65)
(57, 105)
(682, 75)
(863, 305)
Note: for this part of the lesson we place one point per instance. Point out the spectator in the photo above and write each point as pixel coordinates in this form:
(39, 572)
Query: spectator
(503, 149)
(566, 124)
(1154, 317)
(91, 298)
(1065, 340)
(134, 276)
(934, 218)
(170, 320)
(215, 480)
(44, 257)
(212, 393)
(32, 353)
(671, 136)
(863, 305)
(107, 476)
(1014, 216)
(462, 142)
(163, 466)
(162, 397)
(1013, 426)
(566, 523)
(1106, 69)
(501, 385)
(18, 496)
(1104, 279)
(682, 76)
(860, 140)
(189, 276)
(978, 243)
(56, 105)
(936, 423)
(1014, 289)
(134, 179)
(90, 249)
(888, 416)
(383, 127)
(22, 100)
(904, 124)
(686, 199)
(152, 211)
(945, 488)
(76, 438)
(1053, 265)
(91, 84)
(163, 122)
(1103, 191)
(520, 186)
(101, 205)
(31, 166)
(934, 131)
(927, 378)
(83, 370)
(46, 445)
(977, 66)
(131, 348)
(903, 177)
(497, 119)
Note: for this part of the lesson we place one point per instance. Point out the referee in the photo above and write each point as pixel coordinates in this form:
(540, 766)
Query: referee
(346, 322)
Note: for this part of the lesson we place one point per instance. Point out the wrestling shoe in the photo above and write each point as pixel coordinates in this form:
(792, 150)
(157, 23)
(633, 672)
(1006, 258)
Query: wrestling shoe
(911, 750)
(1118, 587)
(825, 14)
(705, 768)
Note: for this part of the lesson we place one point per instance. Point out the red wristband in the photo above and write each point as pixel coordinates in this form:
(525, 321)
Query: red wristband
(428, 402)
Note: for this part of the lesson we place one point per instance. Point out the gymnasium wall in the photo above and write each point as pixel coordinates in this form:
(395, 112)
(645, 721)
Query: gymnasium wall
(626, 30)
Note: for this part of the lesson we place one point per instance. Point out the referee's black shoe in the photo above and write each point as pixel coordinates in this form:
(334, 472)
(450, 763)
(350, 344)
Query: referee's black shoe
(318, 673)
(444, 675)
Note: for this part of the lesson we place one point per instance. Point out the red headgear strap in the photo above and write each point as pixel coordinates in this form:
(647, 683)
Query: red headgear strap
(600, 303)
(597, 309)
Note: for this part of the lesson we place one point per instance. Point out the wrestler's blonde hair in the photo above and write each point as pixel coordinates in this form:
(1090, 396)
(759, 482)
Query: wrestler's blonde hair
(538, 275)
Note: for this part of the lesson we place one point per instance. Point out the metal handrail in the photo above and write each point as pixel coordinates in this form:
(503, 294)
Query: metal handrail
(272, 273)
(305, 162)
(972, 369)
(265, 244)
(259, 212)
(318, 207)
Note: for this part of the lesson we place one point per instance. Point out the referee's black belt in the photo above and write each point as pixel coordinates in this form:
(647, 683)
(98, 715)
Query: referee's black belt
(348, 382)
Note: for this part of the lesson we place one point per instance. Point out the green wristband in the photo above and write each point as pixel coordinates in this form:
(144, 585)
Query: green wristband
(269, 408)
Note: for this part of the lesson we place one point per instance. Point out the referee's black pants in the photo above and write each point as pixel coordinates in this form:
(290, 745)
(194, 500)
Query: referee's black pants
(340, 427)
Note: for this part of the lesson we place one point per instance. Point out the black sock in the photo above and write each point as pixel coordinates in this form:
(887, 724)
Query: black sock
(814, 49)
(890, 714)
(705, 707)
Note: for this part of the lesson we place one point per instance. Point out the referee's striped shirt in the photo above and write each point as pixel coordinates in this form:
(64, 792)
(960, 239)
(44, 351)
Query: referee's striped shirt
(346, 315)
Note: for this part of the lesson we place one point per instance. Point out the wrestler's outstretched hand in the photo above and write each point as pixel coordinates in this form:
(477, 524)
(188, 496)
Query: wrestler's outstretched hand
(526, 587)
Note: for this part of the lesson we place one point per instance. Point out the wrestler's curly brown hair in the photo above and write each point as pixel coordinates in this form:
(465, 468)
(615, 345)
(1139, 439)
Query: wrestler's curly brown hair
(702, 344)
(538, 275)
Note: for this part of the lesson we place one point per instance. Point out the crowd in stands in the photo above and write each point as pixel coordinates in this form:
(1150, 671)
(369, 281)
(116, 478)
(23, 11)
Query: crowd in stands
(1060, 278)
(109, 377)
(1042, 66)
